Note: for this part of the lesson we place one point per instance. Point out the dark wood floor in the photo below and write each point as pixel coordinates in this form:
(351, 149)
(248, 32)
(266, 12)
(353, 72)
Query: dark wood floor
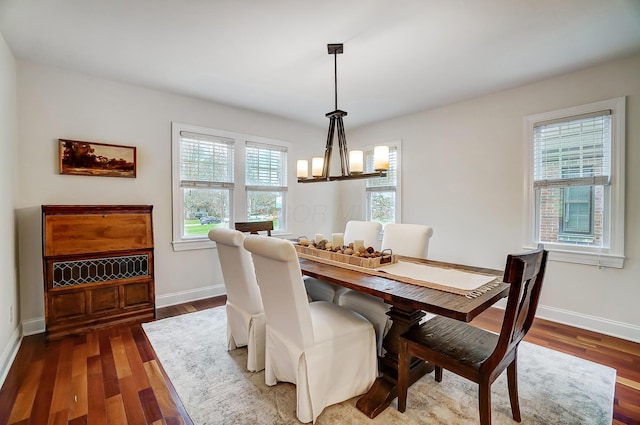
(112, 376)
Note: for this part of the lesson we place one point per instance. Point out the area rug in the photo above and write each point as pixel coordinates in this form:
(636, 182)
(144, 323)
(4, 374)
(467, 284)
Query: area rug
(215, 388)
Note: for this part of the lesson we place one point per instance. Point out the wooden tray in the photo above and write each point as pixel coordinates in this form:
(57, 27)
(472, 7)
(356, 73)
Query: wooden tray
(370, 263)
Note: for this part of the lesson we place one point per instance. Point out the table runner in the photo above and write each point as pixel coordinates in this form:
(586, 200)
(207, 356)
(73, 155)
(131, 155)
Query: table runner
(470, 285)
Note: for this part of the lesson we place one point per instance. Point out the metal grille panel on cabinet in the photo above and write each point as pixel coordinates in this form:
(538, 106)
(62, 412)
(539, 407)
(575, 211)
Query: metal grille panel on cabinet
(68, 273)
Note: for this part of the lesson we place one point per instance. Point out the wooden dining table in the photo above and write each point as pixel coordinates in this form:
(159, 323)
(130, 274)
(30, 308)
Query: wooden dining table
(409, 303)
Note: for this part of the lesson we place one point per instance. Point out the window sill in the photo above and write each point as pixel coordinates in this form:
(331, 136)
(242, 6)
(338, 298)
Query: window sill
(588, 258)
(206, 243)
(188, 245)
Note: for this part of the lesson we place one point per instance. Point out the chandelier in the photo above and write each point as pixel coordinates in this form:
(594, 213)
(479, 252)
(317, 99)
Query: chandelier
(351, 162)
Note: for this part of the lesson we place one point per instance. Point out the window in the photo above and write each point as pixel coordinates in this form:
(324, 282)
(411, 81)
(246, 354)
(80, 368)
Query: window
(221, 177)
(383, 193)
(266, 179)
(575, 176)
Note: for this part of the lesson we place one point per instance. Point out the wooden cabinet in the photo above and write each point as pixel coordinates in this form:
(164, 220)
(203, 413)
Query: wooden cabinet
(98, 266)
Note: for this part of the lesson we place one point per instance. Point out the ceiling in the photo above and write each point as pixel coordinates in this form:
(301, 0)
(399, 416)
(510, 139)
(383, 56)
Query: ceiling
(400, 56)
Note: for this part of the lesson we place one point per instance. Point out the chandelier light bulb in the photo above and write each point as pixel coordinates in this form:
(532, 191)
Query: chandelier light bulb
(317, 163)
(381, 158)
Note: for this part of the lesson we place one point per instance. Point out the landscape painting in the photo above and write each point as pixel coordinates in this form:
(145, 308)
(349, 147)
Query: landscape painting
(96, 159)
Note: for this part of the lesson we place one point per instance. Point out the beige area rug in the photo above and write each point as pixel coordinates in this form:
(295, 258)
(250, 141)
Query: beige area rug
(215, 388)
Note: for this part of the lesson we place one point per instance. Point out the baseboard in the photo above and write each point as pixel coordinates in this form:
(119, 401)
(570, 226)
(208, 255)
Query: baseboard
(174, 298)
(585, 321)
(591, 323)
(33, 326)
(9, 354)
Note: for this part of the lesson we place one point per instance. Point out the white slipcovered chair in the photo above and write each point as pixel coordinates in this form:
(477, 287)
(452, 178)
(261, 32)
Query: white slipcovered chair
(245, 314)
(410, 240)
(368, 232)
(328, 352)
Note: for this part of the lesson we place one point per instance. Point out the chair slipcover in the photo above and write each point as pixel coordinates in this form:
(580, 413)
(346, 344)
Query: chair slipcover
(367, 231)
(410, 240)
(328, 352)
(245, 314)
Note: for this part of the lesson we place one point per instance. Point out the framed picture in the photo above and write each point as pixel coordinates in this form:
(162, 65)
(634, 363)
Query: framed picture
(96, 159)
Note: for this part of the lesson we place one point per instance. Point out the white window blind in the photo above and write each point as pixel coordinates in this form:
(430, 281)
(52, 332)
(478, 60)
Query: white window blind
(206, 161)
(266, 166)
(575, 151)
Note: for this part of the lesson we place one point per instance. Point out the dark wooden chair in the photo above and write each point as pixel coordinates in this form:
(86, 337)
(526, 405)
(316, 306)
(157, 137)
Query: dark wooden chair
(253, 227)
(473, 353)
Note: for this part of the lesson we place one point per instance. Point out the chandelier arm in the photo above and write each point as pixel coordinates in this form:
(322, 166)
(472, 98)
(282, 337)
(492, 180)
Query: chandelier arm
(326, 166)
(342, 145)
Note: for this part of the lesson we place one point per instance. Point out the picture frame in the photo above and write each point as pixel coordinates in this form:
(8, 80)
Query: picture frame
(96, 159)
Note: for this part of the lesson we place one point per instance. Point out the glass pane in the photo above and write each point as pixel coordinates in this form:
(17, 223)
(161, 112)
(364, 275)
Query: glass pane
(263, 205)
(572, 215)
(205, 209)
(382, 207)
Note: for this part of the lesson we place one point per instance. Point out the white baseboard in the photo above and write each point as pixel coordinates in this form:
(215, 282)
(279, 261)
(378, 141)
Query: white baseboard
(174, 298)
(33, 326)
(9, 354)
(585, 321)
(592, 323)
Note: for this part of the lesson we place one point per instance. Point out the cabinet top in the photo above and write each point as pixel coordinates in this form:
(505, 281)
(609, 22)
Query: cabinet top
(95, 209)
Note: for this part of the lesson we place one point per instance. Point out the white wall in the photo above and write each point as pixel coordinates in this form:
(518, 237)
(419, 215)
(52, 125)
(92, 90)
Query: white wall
(53, 104)
(9, 329)
(462, 173)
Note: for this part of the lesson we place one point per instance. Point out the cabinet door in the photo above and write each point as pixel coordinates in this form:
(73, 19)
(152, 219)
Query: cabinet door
(136, 294)
(103, 299)
(91, 233)
(67, 305)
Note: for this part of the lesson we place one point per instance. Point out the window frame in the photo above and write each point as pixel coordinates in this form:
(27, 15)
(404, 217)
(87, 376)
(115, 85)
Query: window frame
(613, 255)
(397, 145)
(238, 194)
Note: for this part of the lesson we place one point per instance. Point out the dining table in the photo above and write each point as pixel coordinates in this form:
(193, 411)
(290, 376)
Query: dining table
(408, 304)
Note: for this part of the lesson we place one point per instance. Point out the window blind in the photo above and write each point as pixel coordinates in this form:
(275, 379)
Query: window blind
(573, 152)
(266, 166)
(206, 161)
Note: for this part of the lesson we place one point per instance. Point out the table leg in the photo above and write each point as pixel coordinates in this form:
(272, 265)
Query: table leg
(384, 389)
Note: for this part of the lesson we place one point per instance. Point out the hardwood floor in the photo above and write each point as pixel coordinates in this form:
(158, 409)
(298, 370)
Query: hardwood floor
(111, 376)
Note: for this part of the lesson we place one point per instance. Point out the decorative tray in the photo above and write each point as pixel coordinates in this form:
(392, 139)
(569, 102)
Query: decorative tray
(368, 262)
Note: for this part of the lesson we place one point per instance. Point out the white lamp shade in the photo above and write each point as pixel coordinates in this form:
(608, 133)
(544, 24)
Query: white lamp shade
(302, 167)
(317, 164)
(381, 158)
(356, 161)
